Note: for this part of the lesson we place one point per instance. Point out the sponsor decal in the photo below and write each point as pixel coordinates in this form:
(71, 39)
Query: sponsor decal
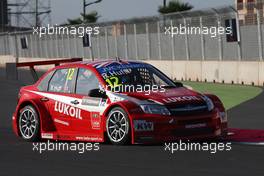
(67, 110)
(63, 137)
(95, 120)
(198, 125)
(91, 101)
(117, 66)
(114, 97)
(103, 102)
(88, 138)
(88, 101)
(61, 122)
(116, 73)
(47, 135)
(181, 99)
(65, 100)
(143, 125)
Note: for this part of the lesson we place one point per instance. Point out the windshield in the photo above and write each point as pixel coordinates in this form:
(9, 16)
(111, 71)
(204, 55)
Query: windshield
(134, 74)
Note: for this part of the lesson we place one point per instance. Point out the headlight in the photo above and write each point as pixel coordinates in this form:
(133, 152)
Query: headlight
(209, 103)
(223, 116)
(155, 109)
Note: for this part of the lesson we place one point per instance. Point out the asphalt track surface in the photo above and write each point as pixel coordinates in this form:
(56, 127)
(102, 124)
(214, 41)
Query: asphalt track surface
(17, 157)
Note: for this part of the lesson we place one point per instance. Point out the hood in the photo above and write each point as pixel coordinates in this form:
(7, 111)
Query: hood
(177, 100)
(170, 96)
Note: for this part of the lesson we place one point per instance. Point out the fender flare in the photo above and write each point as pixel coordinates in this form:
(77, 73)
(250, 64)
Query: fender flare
(217, 102)
(124, 105)
(46, 124)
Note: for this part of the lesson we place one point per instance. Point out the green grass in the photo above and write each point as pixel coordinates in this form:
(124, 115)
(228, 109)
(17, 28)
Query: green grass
(231, 95)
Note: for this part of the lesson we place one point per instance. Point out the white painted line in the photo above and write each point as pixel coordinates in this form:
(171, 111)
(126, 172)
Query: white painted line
(249, 143)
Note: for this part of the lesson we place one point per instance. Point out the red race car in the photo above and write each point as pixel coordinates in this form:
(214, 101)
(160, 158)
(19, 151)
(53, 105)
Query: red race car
(115, 100)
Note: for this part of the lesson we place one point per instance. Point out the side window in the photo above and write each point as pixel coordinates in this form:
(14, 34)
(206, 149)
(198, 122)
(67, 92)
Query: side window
(86, 81)
(43, 85)
(158, 81)
(63, 81)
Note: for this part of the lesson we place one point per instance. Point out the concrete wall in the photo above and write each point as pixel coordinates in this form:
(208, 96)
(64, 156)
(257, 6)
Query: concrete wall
(246, 72)
(3, 61)
(23, 74)
(243, 72)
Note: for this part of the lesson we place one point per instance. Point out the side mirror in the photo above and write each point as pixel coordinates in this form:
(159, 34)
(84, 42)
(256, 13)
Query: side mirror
(188, 87)
(178, 84)
(97, 93)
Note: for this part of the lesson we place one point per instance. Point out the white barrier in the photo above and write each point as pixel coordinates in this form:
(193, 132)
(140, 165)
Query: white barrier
(243, 72)
(237, 72)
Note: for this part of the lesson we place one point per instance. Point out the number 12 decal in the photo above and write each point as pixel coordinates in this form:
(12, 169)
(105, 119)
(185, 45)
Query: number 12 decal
(70, 73)
(113, 82)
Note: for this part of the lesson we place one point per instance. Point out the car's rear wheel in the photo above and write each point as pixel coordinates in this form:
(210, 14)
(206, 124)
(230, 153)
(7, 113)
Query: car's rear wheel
(28, 124)
(118, 126)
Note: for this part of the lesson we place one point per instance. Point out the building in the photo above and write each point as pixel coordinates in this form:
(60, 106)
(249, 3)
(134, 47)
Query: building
(3, 13)
(247, 10)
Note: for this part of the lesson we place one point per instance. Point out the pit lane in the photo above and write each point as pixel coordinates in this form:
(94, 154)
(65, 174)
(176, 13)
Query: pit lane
(17, 157)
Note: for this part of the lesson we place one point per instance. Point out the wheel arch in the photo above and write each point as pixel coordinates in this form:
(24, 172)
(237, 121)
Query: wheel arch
(46, 123)
(21, 106)
(125, 108)
(217, 101)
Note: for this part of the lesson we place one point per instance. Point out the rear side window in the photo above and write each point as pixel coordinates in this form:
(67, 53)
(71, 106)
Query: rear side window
(63, 81)
(86, 81)
(43, 85)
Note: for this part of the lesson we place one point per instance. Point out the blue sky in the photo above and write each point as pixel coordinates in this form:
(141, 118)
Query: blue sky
(119, 9)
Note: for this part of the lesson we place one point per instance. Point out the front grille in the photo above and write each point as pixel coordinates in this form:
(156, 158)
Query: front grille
(188, 109)
(192, 132)
(194, 121)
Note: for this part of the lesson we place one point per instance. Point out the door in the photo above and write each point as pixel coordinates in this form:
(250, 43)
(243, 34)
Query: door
(61, 101)
(91, 107)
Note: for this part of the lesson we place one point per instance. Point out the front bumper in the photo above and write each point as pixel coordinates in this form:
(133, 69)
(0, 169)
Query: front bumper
(14, 124)
(156, 129)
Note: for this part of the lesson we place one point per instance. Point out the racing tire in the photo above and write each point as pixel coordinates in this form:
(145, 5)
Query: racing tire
(29, 124)
(118, 127)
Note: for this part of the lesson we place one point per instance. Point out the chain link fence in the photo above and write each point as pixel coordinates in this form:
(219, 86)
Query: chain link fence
(146, 38)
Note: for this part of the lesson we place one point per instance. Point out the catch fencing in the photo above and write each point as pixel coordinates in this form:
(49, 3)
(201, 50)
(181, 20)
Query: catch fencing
(146, 39)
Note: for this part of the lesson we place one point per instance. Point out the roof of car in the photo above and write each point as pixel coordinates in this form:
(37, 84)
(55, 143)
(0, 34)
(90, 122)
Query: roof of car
(106, 62)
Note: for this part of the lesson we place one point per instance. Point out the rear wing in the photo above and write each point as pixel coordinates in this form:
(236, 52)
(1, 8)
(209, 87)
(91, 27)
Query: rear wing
(32, 65)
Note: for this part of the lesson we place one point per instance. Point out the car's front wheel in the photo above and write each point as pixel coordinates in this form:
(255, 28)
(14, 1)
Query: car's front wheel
(28, 124)
(118, 126)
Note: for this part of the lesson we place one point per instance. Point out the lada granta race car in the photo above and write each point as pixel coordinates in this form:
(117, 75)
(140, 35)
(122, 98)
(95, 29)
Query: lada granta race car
(117, 101)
